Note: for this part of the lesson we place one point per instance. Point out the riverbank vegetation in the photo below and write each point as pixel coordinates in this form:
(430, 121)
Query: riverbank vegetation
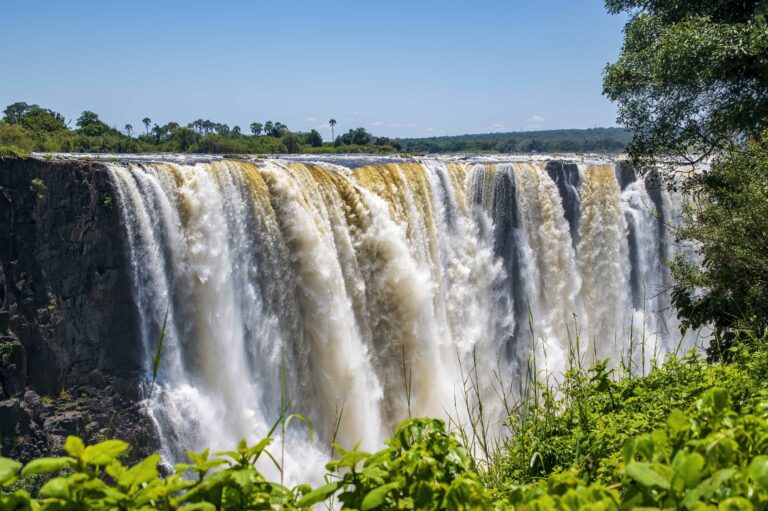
(25, 128)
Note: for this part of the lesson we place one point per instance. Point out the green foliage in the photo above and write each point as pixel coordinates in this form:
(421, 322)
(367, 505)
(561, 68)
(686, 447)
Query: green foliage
(12, 152)
(26, 128)
(588, 140)
(38, 186)
(34, 118)
(728, 222)
(92, 478)
(422, 467)
(713, 454)
(691, 77)
(712, 458)
(583, 424)
(15, 138)
(292, 142)
(313, 138)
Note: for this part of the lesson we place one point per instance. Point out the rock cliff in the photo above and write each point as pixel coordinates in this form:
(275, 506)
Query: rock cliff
(69, 357)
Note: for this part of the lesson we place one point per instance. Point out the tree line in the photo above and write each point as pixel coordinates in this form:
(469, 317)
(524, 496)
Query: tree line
(28, 127)
(596, 140)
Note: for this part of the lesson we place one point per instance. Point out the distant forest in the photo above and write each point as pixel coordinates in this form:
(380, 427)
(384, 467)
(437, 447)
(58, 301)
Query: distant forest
(594, 140)
(25, 128)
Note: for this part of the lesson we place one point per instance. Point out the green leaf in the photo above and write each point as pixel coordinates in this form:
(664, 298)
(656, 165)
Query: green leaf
(715, 400)
(687, 469)
(256, 449)
(350, 459)
(243, 478)
(47, 465)
(199, 506)
(17, 501)
(735, 504)
(319, 494)
(57, 488)
(142, 472)
(74, 446)
(9, 469)
(646, 476)
(303, 419)
(375, 497)
(104, 453)
(758, 469)
(678, 423)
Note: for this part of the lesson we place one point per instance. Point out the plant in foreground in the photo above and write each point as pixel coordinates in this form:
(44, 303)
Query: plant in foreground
(711, 456)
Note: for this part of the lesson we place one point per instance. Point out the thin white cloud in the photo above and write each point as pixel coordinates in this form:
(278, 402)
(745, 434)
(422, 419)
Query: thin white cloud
(537, 119)
(311, 119)
(497, 126)
(375, 123)
(402, 125)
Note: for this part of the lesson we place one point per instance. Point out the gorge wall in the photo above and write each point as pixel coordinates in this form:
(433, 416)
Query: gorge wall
(68, 326)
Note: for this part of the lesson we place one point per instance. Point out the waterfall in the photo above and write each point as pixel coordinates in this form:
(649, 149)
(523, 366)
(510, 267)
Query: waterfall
(359, 292)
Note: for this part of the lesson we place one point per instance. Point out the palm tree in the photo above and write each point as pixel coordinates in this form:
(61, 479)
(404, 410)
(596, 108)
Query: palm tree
(332, 122)
(128, 129)
(147, 121)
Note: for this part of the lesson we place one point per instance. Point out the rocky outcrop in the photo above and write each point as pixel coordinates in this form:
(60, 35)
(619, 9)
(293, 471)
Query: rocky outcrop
(70, 360)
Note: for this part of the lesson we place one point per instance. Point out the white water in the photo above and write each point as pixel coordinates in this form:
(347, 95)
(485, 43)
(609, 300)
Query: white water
(360, 296)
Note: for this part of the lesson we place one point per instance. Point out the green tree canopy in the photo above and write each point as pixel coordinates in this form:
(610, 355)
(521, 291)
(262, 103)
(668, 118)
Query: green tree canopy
(730, 289)
(313, 138)
(692, 76)
(87, 118)
(34, 118)
(292, 142)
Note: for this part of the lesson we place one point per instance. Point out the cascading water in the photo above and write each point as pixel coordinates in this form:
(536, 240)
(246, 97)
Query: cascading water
(359, 292)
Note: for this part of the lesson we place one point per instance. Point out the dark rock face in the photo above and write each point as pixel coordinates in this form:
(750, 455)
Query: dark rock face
(567, 178)
(67, 318)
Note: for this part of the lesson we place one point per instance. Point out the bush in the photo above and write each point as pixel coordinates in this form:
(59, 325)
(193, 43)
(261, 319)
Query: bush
(15, 139)
(423, 467)
(583, 424)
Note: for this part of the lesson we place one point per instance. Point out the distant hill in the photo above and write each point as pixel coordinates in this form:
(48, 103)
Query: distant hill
(594, 140)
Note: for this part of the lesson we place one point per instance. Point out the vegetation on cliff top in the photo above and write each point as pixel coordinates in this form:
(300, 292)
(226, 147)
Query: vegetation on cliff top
(25, 128)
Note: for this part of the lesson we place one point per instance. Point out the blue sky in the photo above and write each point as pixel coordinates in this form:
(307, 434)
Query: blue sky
(397, 68)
